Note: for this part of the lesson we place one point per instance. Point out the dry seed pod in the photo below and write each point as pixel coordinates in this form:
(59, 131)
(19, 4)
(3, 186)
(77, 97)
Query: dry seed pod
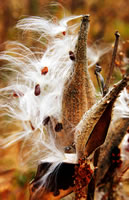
(79, 93)
(60, 183)
(115, 135)
(92, 129)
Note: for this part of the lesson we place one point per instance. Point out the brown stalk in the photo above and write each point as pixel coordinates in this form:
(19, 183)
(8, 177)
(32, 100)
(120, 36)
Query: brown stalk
(100, 79)
(111, 68)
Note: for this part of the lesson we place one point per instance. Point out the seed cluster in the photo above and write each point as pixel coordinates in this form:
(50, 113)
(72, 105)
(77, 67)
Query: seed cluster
(115, 157)
(83, 173)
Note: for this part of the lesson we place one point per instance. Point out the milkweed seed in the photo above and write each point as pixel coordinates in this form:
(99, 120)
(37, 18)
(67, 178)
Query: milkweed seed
(37, 90)
(71, 56)
(46, 120)
(58, 127)
(64, 32)
(44, 70)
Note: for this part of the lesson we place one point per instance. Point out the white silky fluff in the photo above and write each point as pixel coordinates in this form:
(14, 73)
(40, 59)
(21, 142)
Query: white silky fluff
(26, 66)
(125, 148)
(121, 108)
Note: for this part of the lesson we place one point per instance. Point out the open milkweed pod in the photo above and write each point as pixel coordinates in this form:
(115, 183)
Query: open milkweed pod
(79, 96)
(92, 129)
(48, 106)
(64, 179)
(115, 135)
(120, 173)
(59, 184)
(79, 92)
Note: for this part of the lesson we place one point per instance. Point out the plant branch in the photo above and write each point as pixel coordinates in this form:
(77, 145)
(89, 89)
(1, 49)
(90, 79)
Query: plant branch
(117, 35)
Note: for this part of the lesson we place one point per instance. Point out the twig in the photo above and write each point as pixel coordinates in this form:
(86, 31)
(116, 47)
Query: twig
(117, 35)
(99, 78)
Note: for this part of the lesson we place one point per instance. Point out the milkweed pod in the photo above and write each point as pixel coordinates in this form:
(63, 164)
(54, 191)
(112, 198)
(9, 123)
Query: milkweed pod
(79, 93)
(92, 129)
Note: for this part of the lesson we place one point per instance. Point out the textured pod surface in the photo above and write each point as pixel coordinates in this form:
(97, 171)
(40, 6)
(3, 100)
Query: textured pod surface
(115, 135)
(86, 137)
(79, 93)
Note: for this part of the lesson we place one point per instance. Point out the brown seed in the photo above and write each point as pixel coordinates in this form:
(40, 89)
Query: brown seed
(37, 90)
(71, 55)
(46, 120)
(64, 32)
(58, 127)
(31, 125)
(15, 94)
(18, 94)
(44, 71)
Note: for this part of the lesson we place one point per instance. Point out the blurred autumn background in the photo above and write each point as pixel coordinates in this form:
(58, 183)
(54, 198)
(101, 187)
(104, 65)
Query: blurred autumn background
(107, 16)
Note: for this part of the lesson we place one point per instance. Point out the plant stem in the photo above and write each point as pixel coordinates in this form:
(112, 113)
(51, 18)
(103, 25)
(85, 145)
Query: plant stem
(117, 35)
